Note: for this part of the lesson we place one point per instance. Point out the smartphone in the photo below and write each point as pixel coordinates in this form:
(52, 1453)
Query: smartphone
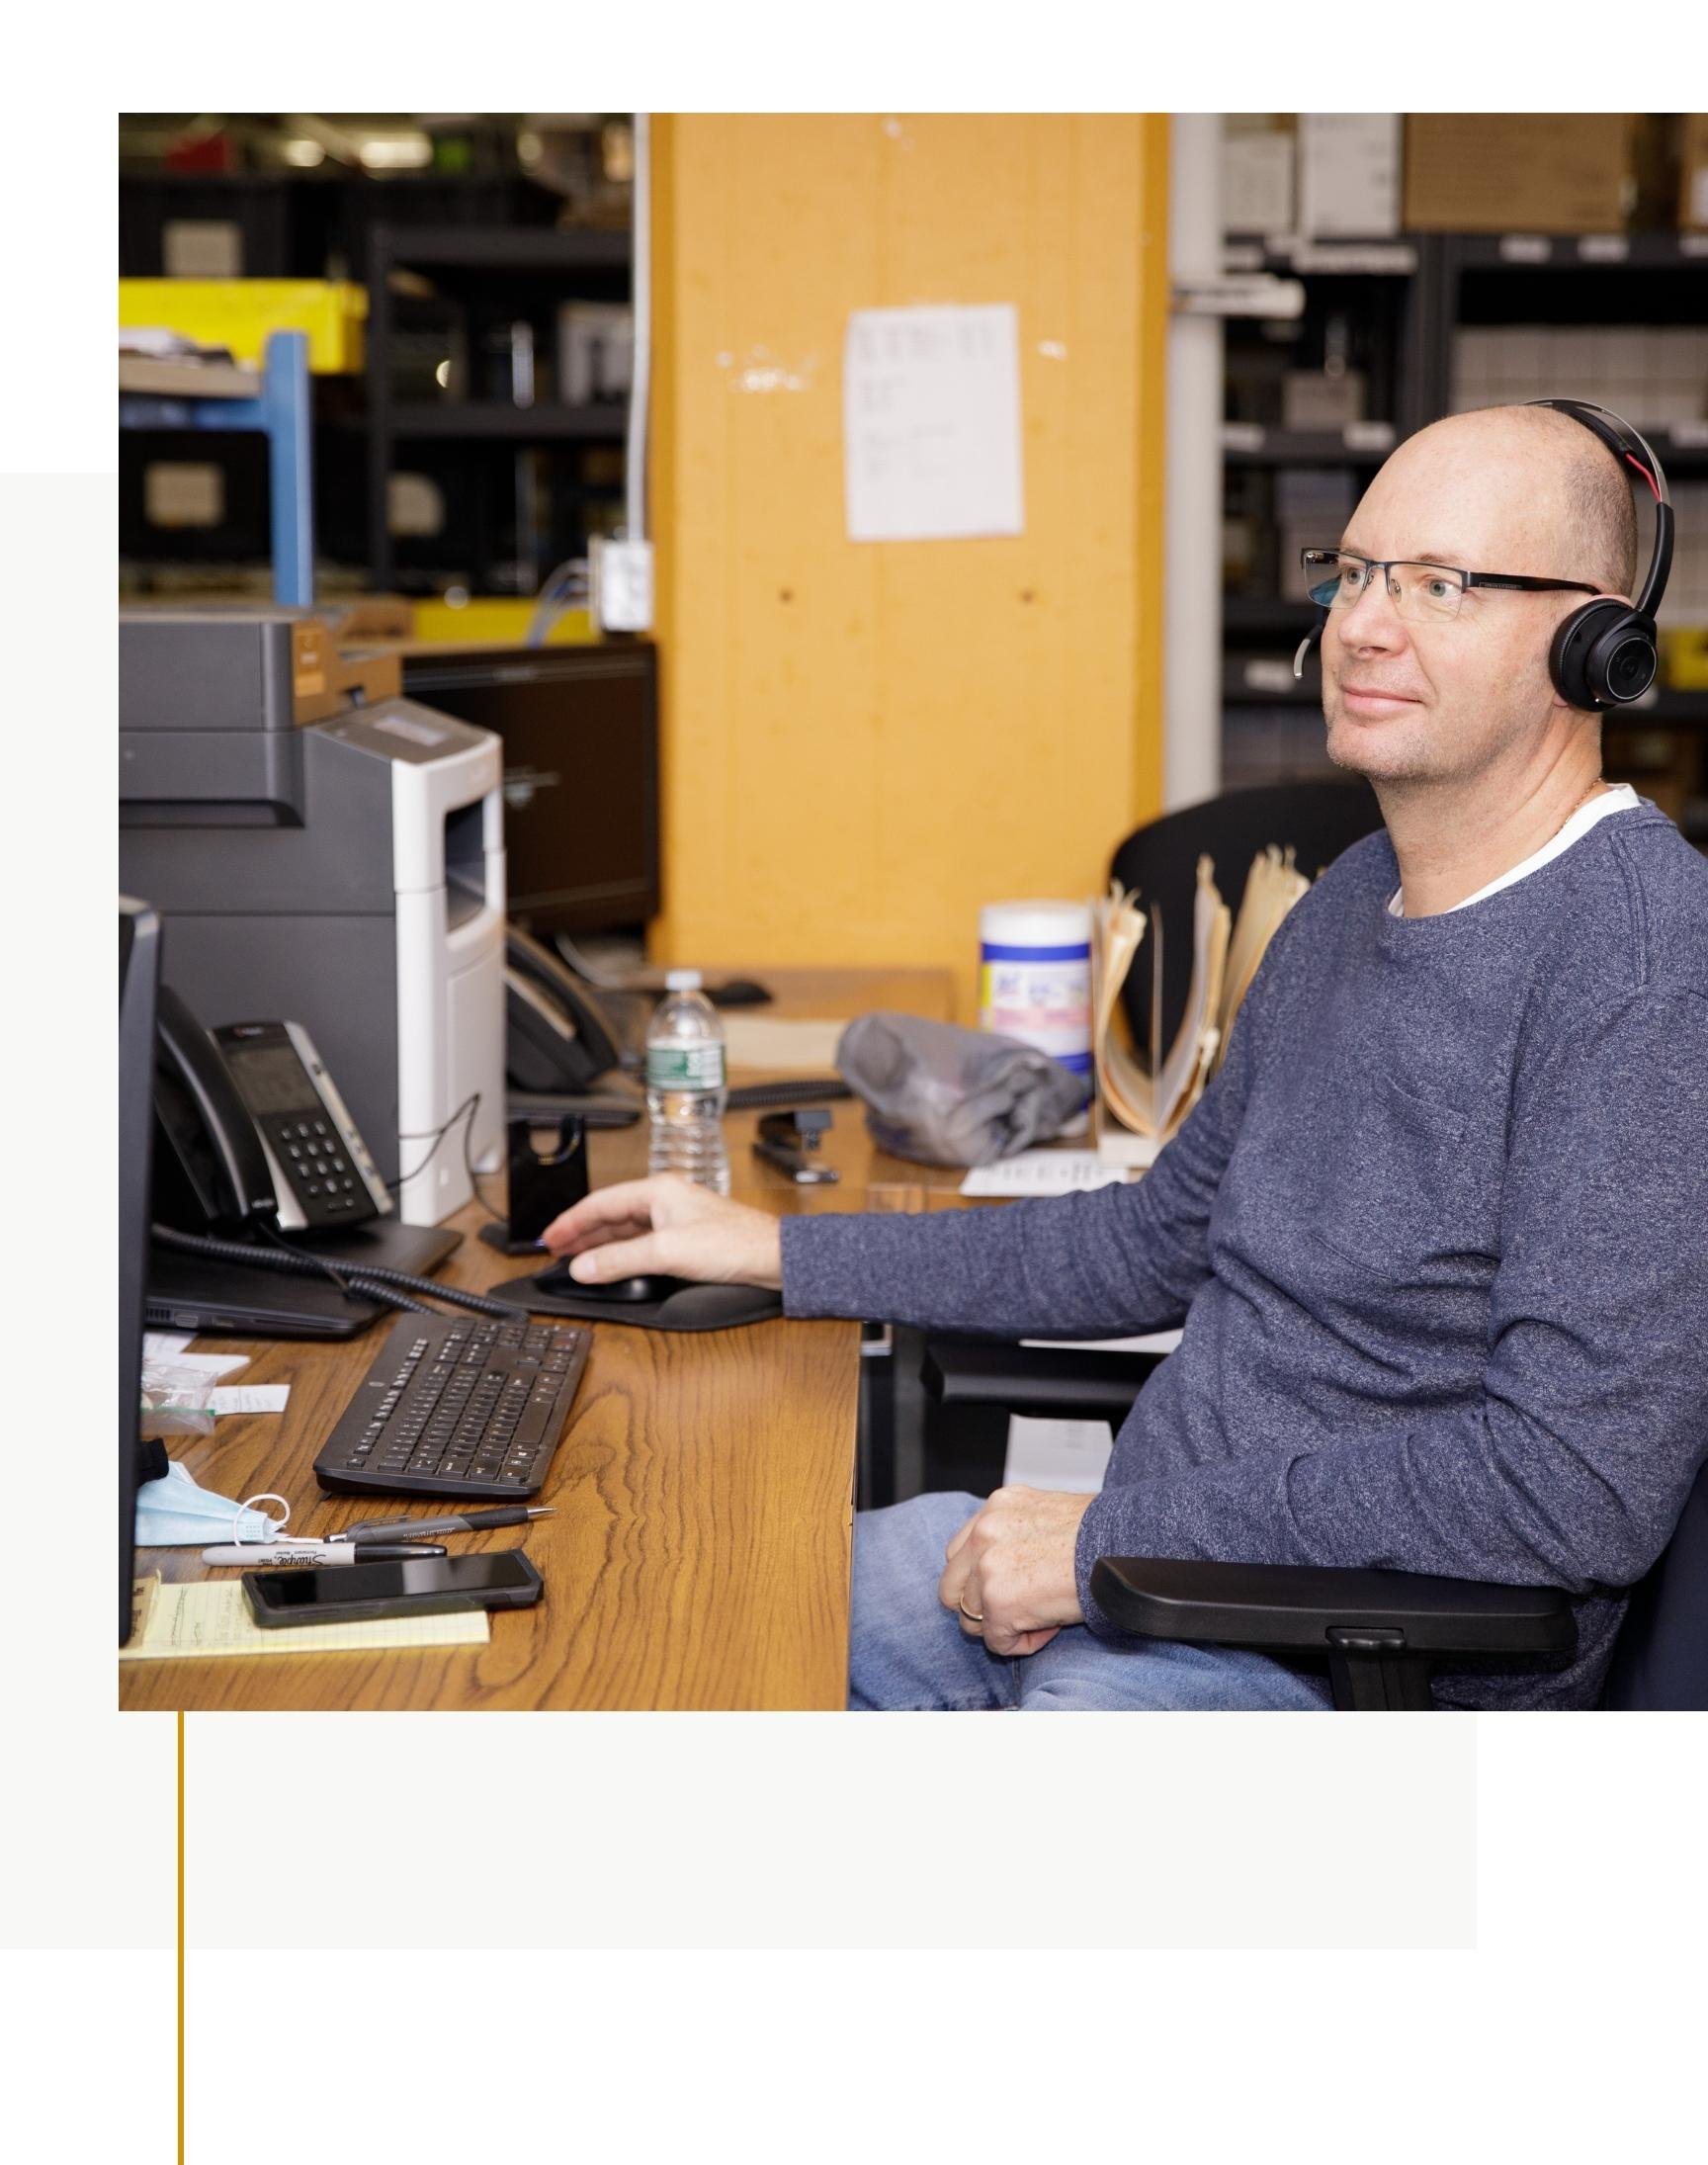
(428, 1586)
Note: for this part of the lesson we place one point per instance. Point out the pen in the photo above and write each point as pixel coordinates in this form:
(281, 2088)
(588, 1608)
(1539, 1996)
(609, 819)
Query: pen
(368, 1531)
(312, 1553)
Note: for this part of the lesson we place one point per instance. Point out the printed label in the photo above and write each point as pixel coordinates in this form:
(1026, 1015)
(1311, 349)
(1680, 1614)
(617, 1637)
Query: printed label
(685, 1067)
(1021, 997)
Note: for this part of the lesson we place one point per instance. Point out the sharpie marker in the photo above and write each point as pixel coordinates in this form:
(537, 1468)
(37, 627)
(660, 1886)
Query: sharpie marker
(308, 1554)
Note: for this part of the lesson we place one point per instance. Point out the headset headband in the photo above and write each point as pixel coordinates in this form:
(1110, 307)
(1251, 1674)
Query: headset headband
(1630, 449)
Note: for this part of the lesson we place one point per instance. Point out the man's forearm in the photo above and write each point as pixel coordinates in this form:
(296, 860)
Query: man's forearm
(1074, 1266)
(1120, 1260)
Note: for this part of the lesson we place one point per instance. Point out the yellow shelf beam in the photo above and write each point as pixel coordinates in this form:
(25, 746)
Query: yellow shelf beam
(241, 313)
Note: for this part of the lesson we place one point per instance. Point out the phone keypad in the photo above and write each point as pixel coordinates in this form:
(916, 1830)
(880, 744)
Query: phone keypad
(314, 1155)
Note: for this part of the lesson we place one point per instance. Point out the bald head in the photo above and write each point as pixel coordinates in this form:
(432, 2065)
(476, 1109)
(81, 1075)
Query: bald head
(1422, 702)
(1569, 500)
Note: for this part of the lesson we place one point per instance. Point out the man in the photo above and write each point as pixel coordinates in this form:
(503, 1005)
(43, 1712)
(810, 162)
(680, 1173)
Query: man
(1437, 1232)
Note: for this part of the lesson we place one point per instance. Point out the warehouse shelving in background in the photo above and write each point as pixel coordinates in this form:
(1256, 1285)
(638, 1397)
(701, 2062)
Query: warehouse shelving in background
(439, 470)
(1397, 330)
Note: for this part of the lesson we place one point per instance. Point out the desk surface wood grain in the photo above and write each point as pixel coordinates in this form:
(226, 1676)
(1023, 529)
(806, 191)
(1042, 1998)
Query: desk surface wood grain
(697, 1555)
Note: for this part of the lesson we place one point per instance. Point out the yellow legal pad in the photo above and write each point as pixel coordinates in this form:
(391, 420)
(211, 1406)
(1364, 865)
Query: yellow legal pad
(179, 1622)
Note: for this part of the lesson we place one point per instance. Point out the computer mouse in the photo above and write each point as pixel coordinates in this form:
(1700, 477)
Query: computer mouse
(618, 1290)
(714, 1306)
(738, 993)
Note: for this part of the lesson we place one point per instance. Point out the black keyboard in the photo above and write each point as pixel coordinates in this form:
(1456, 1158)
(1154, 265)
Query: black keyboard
(458, 1406)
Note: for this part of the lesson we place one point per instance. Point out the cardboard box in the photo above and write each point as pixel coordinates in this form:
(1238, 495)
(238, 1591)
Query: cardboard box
(1694, 174)
(595, 352)
(1519, 172)
(371, 616)
(1312, 399)
(1258, 172)
(1349, 175)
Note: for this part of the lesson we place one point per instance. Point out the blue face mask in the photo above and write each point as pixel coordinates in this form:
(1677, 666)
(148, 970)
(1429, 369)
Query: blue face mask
(175, 1512)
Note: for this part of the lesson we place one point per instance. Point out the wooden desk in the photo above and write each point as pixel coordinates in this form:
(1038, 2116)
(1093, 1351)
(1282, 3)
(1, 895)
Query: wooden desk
(699, 1555)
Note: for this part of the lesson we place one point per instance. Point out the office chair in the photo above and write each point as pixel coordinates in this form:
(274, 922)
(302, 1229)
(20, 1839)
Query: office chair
(1315, 819)
(1381, 1630)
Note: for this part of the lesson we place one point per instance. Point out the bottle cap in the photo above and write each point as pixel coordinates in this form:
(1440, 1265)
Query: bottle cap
(681, 981)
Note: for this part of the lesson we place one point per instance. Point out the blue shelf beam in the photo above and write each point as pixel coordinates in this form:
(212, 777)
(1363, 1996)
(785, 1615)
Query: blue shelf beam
(283, 413)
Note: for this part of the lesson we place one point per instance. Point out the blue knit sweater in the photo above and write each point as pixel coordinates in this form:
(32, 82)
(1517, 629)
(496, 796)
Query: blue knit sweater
(1438, 1236)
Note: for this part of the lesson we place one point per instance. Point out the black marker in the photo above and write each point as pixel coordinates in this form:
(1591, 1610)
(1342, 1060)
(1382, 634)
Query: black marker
(310, 1554)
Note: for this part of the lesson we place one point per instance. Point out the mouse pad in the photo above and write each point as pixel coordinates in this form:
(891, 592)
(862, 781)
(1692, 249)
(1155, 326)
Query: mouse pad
(688, 1307)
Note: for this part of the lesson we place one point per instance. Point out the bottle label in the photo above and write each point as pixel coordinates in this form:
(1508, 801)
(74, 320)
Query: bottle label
(684, 1067)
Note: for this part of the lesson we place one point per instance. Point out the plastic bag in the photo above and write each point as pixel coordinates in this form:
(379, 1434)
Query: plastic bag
(176, 1400)
(949, 1096)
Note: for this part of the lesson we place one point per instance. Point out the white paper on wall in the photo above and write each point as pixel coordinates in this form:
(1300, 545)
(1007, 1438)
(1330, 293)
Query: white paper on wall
(931, 423)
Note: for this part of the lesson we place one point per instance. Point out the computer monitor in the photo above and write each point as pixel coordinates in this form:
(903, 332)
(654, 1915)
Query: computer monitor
(139, 981)
(580, 731)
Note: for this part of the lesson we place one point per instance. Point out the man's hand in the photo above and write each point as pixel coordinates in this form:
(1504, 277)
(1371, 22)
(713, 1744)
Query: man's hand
(667, 1227)
(1012, 1567)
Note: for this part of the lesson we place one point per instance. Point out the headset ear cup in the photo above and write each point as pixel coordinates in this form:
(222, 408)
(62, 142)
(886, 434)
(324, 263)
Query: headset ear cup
(1624, 660)
(1572, 657)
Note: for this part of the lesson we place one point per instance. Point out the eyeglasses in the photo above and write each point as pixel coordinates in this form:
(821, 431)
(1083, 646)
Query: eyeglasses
(1419, 592)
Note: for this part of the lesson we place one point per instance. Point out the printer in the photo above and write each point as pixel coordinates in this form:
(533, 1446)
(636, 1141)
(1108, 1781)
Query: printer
(324, 851)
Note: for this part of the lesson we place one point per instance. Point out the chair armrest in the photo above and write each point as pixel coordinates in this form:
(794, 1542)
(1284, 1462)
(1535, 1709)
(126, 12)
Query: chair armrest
(1308, 1609)
(1070, 1385)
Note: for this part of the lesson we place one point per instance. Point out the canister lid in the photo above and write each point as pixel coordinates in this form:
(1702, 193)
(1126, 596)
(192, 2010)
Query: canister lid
(1034, 924)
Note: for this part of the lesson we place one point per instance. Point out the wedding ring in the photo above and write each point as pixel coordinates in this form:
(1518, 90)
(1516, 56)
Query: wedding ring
(973, 1615)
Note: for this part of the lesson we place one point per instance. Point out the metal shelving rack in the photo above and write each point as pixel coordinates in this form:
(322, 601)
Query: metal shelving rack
(468, 258)
(1438, 273)
(281, 409)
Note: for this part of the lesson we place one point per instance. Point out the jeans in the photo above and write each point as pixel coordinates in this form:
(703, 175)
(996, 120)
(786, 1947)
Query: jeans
(908, 1653)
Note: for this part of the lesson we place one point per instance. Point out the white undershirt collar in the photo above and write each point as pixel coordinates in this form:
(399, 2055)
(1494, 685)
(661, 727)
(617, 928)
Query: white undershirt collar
(1620, 797)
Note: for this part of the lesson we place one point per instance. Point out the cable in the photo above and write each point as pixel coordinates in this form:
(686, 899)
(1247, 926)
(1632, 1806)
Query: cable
(376, 1281)
(1654, 486)
(353, 1285)
(640, 368)
(498, 1217)
(352, 1282)
(340, 1279)
(469, 1107)
(566, 586)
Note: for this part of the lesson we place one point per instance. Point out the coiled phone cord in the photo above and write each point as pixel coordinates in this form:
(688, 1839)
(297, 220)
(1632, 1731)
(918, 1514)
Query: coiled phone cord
(378, 1281)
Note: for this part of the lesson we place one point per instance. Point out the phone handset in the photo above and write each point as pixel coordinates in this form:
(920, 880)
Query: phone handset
(321, 1170)
(215, 1152)
(555, 1037)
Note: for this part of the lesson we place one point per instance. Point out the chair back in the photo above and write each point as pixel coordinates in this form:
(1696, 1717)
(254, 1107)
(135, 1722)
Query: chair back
(1661, 1658)
(1317, 820)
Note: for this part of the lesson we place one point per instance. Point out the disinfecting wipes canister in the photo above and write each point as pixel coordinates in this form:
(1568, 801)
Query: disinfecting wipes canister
(1035, 977)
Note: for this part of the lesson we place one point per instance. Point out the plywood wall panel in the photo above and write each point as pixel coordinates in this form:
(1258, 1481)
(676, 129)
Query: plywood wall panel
(864, 741)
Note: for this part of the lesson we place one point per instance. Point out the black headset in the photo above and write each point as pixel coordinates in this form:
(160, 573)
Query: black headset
(1604, 653)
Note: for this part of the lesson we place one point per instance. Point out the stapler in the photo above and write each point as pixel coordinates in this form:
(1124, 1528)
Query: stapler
(790, 1142)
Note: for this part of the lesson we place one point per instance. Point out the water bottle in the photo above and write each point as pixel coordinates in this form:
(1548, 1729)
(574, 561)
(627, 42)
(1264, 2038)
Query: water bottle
(685, 1085)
